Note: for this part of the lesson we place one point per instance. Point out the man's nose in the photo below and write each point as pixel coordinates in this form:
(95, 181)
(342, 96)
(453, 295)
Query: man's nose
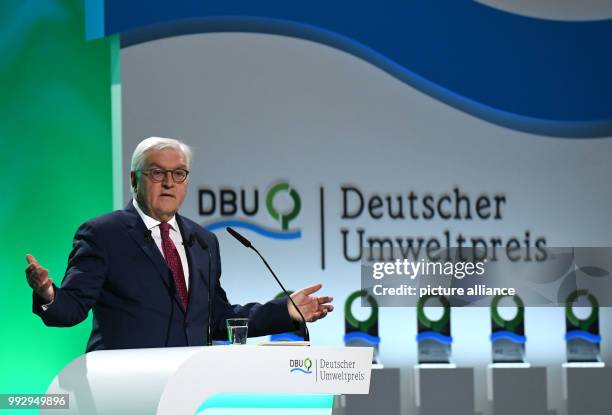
(168, 181)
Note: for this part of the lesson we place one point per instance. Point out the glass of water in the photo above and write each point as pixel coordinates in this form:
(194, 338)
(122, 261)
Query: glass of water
(237, 330)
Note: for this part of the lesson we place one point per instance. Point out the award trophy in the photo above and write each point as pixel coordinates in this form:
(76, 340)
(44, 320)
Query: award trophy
(362, 333)
(434, 337)
(582, 335)
(508, 336)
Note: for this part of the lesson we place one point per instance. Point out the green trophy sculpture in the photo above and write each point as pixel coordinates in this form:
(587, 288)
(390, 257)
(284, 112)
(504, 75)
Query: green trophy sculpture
(508, 336)
(582, 337)
(362, 333)
(434, 338)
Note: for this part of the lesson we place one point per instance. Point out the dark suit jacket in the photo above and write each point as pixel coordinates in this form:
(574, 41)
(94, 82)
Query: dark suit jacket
(120, 273)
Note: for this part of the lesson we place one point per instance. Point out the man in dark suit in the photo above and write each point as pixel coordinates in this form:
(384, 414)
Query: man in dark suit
(144, 270)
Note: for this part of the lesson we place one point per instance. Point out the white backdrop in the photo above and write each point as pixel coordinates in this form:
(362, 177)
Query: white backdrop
(259, 109)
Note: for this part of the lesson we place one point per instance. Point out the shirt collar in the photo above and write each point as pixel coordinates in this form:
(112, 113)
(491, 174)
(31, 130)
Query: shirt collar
(150, 222)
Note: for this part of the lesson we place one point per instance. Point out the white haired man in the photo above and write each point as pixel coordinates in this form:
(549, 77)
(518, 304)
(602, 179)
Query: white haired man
(147, 285)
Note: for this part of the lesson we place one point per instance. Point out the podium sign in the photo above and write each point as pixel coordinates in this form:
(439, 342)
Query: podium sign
(182, 380)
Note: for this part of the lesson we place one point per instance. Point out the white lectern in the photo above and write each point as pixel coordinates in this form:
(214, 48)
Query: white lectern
(212, 380)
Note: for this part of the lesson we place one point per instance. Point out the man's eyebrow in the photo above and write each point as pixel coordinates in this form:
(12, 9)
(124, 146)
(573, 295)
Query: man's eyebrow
(155, 166)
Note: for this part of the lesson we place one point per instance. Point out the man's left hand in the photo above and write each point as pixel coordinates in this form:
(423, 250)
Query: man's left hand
(312, 307)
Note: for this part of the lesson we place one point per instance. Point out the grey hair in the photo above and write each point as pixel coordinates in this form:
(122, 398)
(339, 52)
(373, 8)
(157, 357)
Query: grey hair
(158, 143)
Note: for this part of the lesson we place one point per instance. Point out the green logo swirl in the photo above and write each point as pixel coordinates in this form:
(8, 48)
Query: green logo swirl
(284, 218)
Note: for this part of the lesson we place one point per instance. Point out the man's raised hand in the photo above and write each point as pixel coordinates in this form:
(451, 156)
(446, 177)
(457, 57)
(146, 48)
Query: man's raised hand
(38, 279)
(312, 307)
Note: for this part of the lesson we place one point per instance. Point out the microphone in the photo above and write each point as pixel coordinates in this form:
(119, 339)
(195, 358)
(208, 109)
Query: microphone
(148, 237)
(190, 241)
(244, 241)
(201, 241)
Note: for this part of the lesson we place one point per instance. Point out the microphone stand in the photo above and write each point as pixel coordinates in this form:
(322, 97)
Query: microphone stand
(248, 244)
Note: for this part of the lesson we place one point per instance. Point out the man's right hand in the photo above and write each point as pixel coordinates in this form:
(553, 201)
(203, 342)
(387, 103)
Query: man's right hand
(38, 278)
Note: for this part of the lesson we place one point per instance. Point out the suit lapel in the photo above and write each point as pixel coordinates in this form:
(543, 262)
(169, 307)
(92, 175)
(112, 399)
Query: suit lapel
(137, 230)
(197, 260)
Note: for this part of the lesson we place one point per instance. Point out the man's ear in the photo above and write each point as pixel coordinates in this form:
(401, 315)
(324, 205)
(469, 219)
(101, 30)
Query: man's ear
(134, 181)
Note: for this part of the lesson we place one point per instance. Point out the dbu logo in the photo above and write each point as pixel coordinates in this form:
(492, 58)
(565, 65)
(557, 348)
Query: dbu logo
(302, 366)
(233, 203)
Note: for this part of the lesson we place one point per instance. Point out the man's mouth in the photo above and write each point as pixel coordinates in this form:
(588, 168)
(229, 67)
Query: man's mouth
(167, 195)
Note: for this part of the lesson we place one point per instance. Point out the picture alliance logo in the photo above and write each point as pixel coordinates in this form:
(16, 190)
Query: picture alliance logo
(300, 366)
(269, 216)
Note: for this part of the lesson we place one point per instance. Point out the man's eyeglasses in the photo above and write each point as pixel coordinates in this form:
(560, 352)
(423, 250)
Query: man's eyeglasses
(158, 175)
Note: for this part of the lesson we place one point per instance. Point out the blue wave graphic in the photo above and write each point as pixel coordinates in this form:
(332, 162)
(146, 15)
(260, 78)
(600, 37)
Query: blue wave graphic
(432, 335)
(508, 335)
(580, 334)
(286, 337)
(299, 369)
(437, 47)
(268, 233)
(360, 335)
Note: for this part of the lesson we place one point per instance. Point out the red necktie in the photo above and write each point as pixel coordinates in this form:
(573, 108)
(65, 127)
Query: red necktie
(174, 263)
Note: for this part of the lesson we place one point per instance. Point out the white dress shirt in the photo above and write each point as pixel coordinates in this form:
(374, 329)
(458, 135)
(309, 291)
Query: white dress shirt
(175, 234)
